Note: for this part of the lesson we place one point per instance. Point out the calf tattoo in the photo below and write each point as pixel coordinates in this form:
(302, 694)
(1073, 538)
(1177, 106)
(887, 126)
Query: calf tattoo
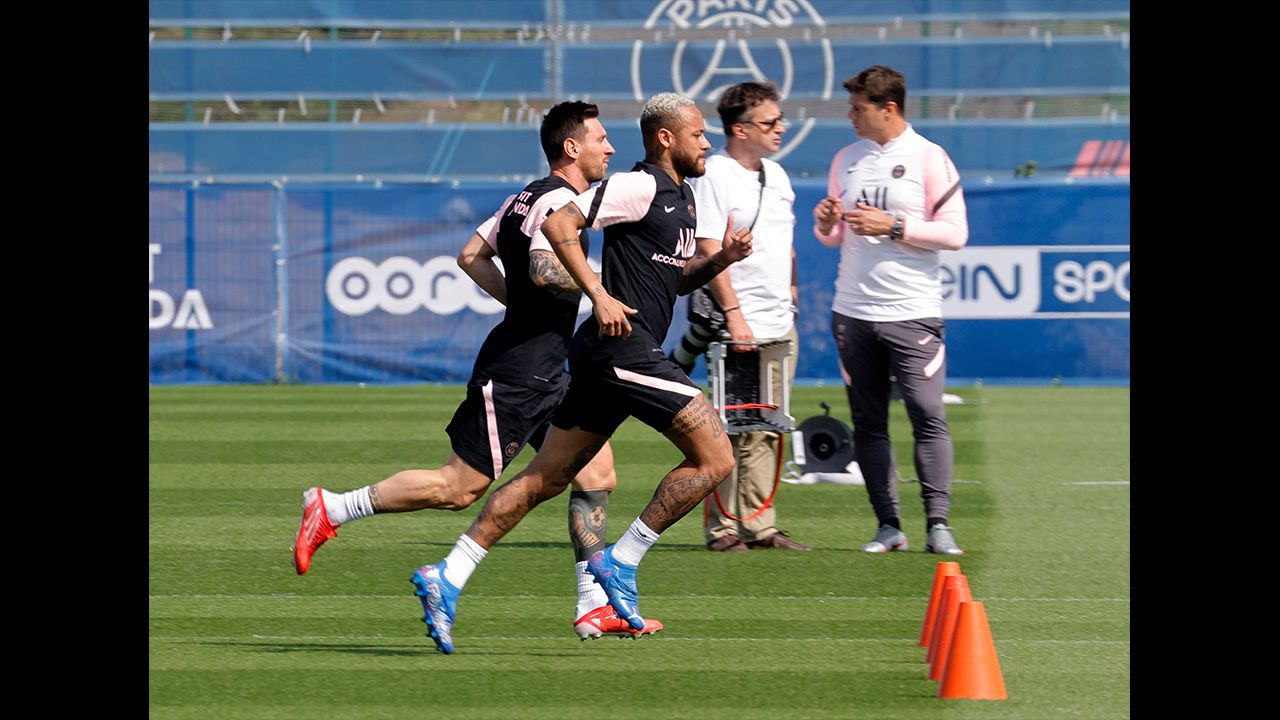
(587, 522)
(508, 505)
(678, 493)
(375, 499)
(504, 509)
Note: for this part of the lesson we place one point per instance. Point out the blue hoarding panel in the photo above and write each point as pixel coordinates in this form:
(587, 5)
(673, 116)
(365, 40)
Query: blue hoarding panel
(371, 290)
(696, 13)
(494, 150)
(211, 286)
(313, 10)
(474, 70)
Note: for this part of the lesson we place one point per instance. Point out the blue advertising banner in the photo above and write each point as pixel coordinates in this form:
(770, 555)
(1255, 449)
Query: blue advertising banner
(211, 285)
(361, 284)
(375, 291)
(1040, 292)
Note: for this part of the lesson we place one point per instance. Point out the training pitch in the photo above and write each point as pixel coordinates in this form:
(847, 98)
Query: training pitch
(1040, 503)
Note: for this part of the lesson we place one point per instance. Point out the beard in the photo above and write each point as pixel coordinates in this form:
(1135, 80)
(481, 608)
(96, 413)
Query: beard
(690, 166)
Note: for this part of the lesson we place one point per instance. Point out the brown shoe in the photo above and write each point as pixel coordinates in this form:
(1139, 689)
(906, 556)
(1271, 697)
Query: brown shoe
(727, 543)
(778, 541)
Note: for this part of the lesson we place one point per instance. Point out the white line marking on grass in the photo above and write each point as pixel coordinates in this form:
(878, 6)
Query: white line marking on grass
(1100, 482)
(554, 638)
(805, 598)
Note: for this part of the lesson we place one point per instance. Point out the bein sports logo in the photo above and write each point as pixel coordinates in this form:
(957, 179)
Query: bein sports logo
(1009, 282)
(732, 59)
(401, 286)
(990, 282)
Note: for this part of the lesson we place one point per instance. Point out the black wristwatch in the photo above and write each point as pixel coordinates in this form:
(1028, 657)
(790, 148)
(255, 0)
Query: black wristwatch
(896, 231)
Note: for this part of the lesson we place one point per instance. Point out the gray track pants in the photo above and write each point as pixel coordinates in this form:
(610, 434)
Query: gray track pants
(914, 352)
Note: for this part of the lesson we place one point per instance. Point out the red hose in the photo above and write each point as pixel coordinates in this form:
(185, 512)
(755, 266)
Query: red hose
(715, 492)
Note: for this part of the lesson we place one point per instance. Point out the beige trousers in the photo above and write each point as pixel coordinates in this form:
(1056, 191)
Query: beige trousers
(749, 485)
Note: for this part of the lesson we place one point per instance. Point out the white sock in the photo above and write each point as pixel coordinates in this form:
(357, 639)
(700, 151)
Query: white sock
(634, 543)
(342, 508)
(590, 594)
(462, 561)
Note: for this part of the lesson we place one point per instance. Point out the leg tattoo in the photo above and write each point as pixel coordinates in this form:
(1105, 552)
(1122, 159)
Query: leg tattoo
(375, 499)
(508, 505)
(587, 522)
(693, 417)
(678, 493)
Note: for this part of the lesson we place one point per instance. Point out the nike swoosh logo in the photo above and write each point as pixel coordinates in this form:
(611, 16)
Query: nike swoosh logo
(924, 340)
(668, 209)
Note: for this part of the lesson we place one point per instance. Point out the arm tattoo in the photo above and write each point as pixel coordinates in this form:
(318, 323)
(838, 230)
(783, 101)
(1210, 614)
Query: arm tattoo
(698, 272)
(574, 214)
(547, 272)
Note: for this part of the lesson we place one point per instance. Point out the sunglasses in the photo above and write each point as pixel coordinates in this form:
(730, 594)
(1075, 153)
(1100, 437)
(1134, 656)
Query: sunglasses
(766, 125)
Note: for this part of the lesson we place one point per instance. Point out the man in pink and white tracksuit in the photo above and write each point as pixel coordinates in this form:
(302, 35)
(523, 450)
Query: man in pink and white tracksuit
(893, 202)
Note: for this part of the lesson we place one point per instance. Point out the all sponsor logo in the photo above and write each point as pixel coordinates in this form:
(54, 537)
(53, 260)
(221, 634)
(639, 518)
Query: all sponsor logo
(703, 70)
(401, 285)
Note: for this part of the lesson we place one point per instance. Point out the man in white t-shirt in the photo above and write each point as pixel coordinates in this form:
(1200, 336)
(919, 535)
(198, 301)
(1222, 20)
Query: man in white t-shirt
(893, 203)
(757, 296)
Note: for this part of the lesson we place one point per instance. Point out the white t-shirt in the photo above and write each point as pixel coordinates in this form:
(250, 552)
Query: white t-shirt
(763, 280)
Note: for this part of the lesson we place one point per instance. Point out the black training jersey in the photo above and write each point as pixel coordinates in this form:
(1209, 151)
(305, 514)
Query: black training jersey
(530, 344)
(648, 224)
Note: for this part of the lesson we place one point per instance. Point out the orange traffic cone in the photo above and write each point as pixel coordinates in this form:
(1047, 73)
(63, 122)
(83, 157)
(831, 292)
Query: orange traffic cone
(972, 669)
(940, 573)
(947, 604)
(942, 643)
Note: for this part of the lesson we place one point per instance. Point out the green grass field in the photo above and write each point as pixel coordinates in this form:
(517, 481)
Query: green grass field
(1041, 504)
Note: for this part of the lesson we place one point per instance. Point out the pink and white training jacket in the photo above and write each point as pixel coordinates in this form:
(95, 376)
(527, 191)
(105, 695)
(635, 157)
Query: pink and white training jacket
(881, 279)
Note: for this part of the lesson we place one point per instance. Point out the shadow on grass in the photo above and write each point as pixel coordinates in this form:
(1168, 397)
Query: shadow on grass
(554, 545)
(372, 650)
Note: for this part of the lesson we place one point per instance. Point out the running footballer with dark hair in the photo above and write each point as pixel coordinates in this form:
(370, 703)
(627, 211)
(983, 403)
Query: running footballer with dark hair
(518, 377)
(616, 363)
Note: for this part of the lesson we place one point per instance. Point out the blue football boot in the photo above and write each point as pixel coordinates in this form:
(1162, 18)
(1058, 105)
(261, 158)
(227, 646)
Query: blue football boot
(439, 603)
(619, 583)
